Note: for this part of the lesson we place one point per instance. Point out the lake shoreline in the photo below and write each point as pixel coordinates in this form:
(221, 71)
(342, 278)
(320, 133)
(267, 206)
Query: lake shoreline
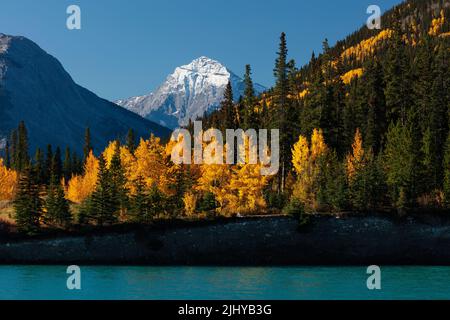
(416, 239)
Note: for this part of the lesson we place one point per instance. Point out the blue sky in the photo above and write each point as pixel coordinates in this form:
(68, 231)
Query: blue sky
(127, 48)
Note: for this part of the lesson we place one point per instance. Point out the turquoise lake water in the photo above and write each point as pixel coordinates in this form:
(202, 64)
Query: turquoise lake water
(291, 283)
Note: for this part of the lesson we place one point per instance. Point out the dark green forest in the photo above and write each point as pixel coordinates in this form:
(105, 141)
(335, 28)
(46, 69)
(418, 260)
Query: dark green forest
(392, 85)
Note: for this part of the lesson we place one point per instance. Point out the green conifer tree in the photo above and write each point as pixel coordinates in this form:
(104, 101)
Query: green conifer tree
(87, 148)
(57, 207)
(102, 204)
(28, 202)
(131, 140)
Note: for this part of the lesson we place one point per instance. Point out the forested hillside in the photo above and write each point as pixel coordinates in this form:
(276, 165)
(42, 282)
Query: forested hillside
(380, 101)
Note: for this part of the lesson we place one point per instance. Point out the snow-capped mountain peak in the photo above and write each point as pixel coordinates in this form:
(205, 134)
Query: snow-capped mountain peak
(205, 66)
(188, 93)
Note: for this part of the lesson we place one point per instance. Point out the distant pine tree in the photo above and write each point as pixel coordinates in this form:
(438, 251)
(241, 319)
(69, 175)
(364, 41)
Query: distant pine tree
(68, 168)
(131, 140)
(48, 164)
(87, 148)
(7, 155)
(398, 89)
(228, 109)
(22, 156)
(375, 111)
(77, 164)
(281, 101)
(39, 167)
(248, 115)
(14, 149)
(57, 167)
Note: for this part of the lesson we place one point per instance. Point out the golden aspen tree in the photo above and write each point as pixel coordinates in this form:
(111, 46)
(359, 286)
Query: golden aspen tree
(150, 162)
(300, 155)
(190, 203)
(8, 182)
(214, 178)
(246, 185)
(318, 146)
(245, 190)
(306, 162)
(81, 187)
(356, 158)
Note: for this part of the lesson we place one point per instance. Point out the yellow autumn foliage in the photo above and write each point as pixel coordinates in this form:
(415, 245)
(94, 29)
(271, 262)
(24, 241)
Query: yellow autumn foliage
(355, 160)
(366, 47)
(245, 190)
(437, 24)
(150, 162)
(236, 188)
(303, 93)
(190, 203)
(318, 146)
(300, 155)
(8, 182)
(306, 164)
(214, 178)
(81, 187)
(347, 77)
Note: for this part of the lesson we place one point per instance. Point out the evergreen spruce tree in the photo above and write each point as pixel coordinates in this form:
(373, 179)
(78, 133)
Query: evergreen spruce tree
(57, 167)
(439, 106)
(139, 207)
(21, 153)
(399, 165)
(282, 105)
(131, 140)
(397, 77)
(7, 155)
(332, 183)
(28, 202)
(39, 167)
(68, 168)
(48, 164)
(354, 113)
(87, 148)
(13, 151)
(248, 115)
(375, 112)
(57, 207)
(446, 169)
(118, 179)
(156, 201)
(228, 109)
(102, 204)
